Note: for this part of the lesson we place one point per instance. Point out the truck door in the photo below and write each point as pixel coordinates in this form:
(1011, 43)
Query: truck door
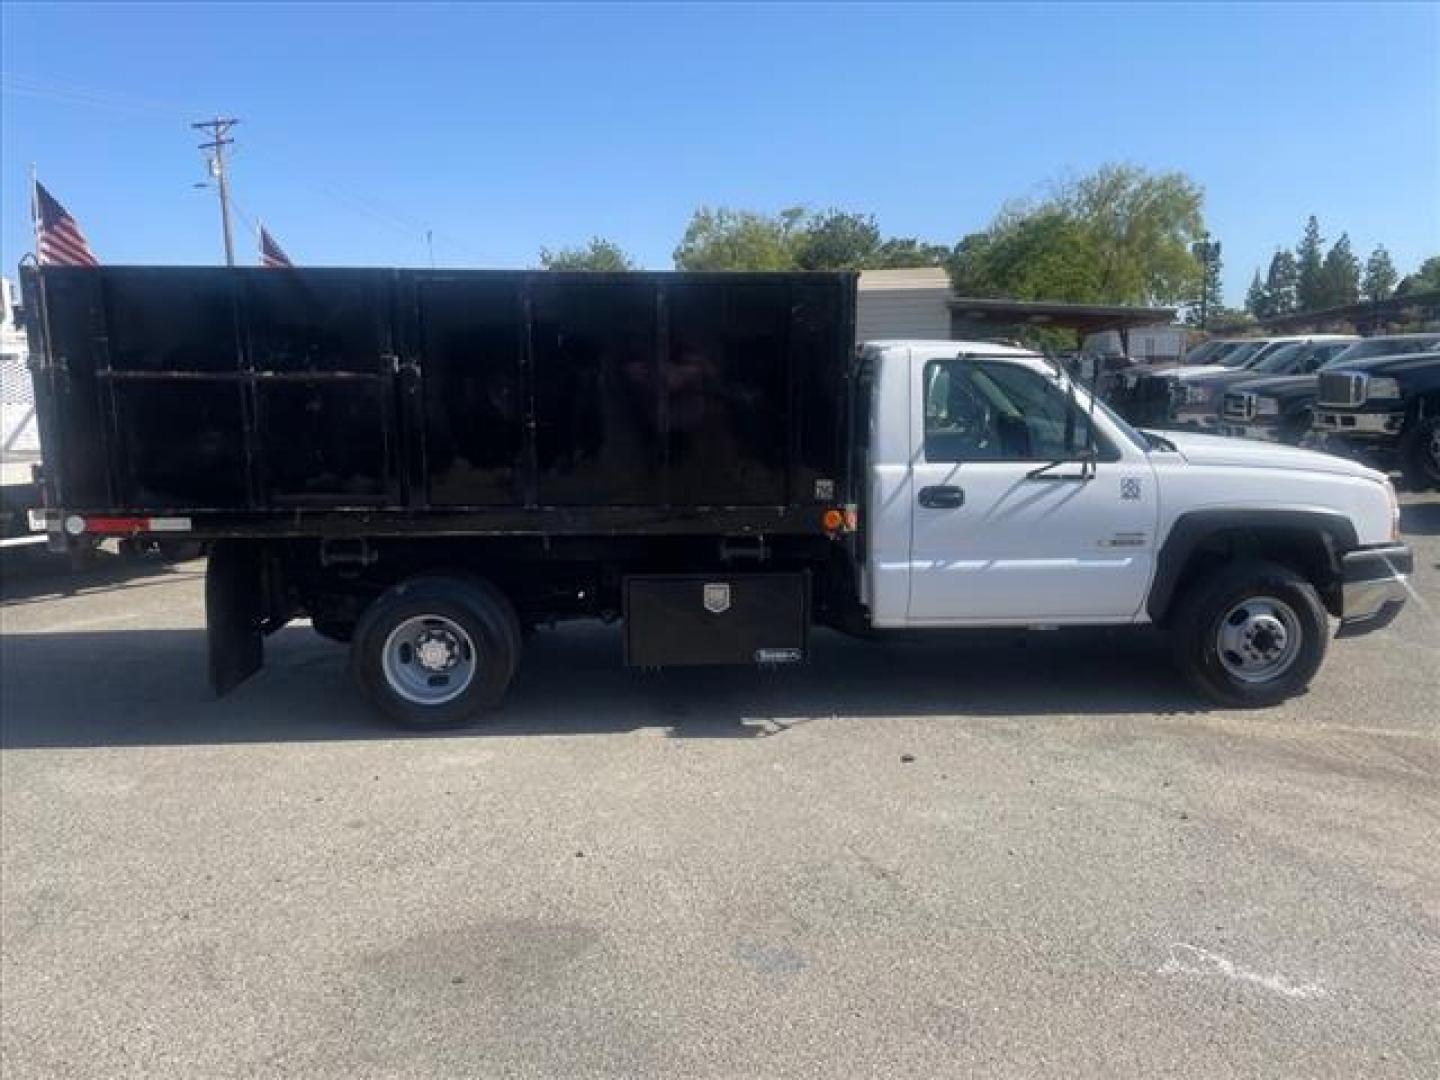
(1009, 523)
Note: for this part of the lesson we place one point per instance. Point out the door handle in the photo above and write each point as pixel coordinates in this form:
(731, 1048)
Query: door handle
(942, 497)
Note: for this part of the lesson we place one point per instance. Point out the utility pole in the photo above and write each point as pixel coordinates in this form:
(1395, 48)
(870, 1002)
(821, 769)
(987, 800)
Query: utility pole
(1206, 252)
(219, 129)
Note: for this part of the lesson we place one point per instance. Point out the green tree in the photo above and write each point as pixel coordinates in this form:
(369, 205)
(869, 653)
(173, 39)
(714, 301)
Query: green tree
(1140, 226)
(1423, 280)
(598, 254)
(1029, 255)
(1309, 280)
(1229, 321)
(838, 240)
(1380, 275)
(1120, 235)
(1340, 275)
(899, 252)
(1257, 300)
(726, 239)
(971, 269)
(1282, 281)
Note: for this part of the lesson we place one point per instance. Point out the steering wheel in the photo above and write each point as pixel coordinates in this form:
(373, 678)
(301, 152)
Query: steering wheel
(971, 415)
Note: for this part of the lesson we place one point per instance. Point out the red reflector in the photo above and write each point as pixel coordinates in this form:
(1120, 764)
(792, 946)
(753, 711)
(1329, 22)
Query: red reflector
(116, 526)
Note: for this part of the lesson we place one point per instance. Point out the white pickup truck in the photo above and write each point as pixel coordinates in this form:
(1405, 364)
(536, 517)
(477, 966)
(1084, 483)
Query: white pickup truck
(427, 463)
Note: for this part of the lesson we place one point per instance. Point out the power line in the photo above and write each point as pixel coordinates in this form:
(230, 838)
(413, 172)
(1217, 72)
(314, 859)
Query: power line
(24, 85)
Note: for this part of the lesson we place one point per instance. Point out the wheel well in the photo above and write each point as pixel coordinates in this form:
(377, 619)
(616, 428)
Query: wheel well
(1307, 551)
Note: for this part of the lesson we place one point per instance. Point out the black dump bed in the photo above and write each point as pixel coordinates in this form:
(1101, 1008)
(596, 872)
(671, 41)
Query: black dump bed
(332, 401)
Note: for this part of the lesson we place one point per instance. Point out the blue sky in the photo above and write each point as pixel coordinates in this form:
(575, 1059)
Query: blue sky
(508, 128)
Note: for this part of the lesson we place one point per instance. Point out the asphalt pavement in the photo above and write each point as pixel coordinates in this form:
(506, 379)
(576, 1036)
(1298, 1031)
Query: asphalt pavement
(1013, 857)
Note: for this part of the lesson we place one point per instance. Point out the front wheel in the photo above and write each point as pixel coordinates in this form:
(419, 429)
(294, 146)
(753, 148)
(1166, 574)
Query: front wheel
(1251, 635)
(435, 652)
(1420, 455)
(1293, 429)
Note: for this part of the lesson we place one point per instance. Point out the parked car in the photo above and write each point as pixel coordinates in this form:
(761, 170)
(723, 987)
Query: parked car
(1386, 409)
(1197, 406)
(1150, 396)
(1281, 408)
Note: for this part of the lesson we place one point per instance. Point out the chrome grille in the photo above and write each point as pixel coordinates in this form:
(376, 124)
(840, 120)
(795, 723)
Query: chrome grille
(1342, 388)
(1239, 405)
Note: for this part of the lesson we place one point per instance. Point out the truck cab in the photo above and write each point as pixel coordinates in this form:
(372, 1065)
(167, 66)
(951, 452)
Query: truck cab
(998, 493)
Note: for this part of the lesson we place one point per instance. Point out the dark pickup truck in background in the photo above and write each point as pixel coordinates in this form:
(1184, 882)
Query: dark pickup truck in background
(1281, 408)
(1387, 408)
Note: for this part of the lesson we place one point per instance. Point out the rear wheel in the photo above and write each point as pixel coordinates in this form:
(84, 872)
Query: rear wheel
(333, 629)
(1251, 635)
(1420, 455)
(436, 652)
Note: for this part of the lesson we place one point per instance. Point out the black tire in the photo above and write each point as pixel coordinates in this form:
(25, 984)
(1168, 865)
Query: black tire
(1295, 427)
(1197, 632)
(333, 629)
(1420, 455)
(475, 607)
(178, 551)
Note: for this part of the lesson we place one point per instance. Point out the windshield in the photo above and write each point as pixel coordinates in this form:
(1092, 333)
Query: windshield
(1204, 353)
(1282, 360)
(1242, 353)
(1141, 443)
(1393, 346)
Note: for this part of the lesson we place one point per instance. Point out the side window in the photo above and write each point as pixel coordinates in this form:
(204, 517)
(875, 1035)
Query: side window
(977, 410)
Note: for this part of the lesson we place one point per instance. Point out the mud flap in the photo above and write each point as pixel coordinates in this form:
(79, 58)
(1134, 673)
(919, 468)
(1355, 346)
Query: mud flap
(234, 614)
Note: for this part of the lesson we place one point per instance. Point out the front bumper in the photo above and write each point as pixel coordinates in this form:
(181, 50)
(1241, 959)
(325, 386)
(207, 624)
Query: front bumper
(1368, 425)
(1373, 587)
(1253, 430)
(1194, 420)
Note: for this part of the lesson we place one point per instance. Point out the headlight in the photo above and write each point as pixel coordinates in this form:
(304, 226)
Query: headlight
(1394, 510)
(1267, 406)
(1382, 388)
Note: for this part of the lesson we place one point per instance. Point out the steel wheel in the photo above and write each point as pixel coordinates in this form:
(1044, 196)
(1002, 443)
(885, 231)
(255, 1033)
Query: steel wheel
(1259, 639)
(429, 659)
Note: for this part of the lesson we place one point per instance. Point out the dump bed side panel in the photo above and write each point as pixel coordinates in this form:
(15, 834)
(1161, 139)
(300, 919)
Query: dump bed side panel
(272, 398)
(470, 354)
(598, 400)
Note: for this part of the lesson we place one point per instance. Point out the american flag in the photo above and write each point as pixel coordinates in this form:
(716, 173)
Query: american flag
(271, 253)
(60, 241)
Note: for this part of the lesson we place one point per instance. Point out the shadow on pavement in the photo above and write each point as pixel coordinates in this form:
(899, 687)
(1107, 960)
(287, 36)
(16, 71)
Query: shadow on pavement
(147, 687)
(1420, 519)
(29, 576)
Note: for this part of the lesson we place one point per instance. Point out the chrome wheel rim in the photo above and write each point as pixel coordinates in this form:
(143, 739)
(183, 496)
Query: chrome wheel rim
(429, 660)
(1259, 639)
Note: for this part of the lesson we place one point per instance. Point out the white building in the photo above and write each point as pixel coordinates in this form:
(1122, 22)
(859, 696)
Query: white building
(911, 303)
(19, 436)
